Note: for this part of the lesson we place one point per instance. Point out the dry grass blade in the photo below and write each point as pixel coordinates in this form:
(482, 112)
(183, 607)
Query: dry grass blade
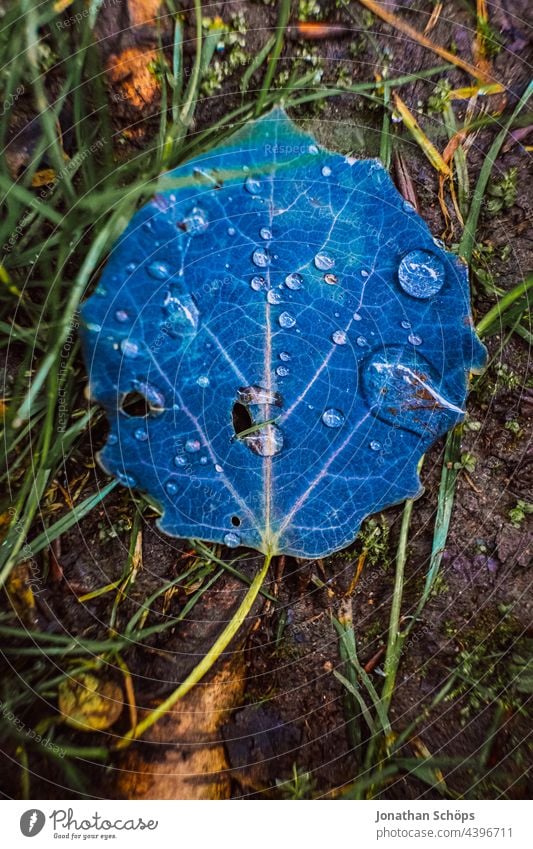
(396, 22)
(428, 148)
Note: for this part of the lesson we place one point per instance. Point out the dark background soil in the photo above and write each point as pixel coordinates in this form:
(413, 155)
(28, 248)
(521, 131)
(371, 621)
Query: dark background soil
(290, 709)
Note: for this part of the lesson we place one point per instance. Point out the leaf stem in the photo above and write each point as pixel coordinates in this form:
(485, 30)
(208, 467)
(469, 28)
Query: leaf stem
(206, 663)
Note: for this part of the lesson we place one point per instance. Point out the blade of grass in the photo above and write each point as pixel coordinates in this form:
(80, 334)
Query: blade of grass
(283, 20)
(206, 663)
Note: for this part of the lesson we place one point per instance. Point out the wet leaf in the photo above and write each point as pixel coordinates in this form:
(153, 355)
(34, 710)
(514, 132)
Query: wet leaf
(89, 703)
(276, 340)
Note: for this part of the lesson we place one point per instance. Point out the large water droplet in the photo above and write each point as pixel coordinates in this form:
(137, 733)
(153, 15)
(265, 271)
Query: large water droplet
(253, 185)
(333, 418)
(286, 320)
(195, 222)
(182, 314)
(273, 296)
(257, 283)
(267, 441)
(261, 257)
(232, 540)
(192, 446)
(129, 348)
(294, 280)
(158, 270)
(324, 261)
(421, 274)
(339, 337)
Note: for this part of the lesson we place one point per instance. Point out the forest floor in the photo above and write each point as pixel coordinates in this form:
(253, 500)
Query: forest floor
(272, 718)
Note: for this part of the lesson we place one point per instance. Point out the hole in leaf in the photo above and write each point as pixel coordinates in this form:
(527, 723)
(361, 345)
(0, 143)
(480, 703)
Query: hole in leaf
(135, 405)
(235, 521)
(242, 419)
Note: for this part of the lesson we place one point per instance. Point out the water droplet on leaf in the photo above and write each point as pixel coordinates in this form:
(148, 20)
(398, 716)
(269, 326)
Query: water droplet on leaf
(324, 261)
(421, 274)
(286, 320)
(294, 281)
(333, 418)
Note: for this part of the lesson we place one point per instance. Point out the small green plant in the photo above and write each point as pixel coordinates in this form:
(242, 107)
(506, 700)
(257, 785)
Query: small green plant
(300, 786)
(467, 463)
(501, 194)
(518, 513)
(438, 101)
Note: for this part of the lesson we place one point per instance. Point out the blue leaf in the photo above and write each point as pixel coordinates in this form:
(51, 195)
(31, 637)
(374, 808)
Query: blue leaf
(276, 340)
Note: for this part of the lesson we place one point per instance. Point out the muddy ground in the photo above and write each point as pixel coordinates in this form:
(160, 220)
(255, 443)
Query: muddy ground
(274, 703)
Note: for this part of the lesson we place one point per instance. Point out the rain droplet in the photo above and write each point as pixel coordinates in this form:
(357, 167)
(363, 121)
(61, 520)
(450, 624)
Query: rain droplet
(180, 460)
(339, 337)
(286, 320)
(439, 243)
(267, 441)
(257, 283)
(273, 296)
(408, 207)
(253, 185)
(129, 348)
(192, 445)
(414, 339)
(312, 148)
(158, 270)
(231, 231)
(218, 468)
(147, 226)
(333, 418)
(282, 371)
(195, 222)
(421, 274)
(331, 279)
(406, 324)
(364, 272)
(232, 540)
(324, 261)
(94, 328)
(203, 381)
(284, 356)
(326, 171)
(112, 439)
(356, 316)
(261, 257)
(140, 434)
(121, 315)
(265, 233)
(203, 461)
(375, 445)
(172, 487)
(182, 314)
(361, 341)
(294, 281)
(127, 480)
(131, 266)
